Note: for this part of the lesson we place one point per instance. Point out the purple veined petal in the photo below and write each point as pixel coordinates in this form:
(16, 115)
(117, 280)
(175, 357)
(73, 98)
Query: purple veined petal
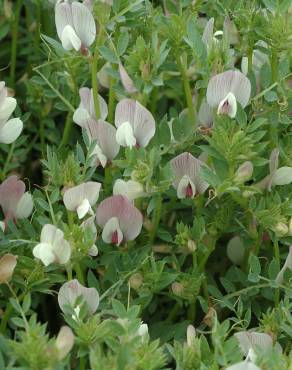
(84, 24)
(71, 290)
(230, 30)
(74, 197)
(10, 130)
(129, 189)
(111, 233)
(63, 17)
(130, 218)
(205, 114)
(88, 4)
(126, 80)
(24, 206)
(85, 97)
(7, 108)
(103, 76)
(230, 81)
(102, 107)
(228, 106)
(81, 116)
(251, 340)
(287, 265)
(70, 39)
(274, 160)
(11, 191)
(125, 112)
(186, 164)
(208, 32)
(105, 135)
(144, 125)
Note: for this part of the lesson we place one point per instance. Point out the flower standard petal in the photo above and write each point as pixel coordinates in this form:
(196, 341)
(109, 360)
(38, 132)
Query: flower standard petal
(130, 218)
(287, 265)
(10, 130)
(84, 24)
(126, 80)
(205, 114)
(251, 340)
(7, 108)
(62, 251)
(105, 135)
(74, 197)
(144, 125)
(125, 112)
(130, 189)
(7, 266)
(207, 37)
(11, 191)
(63, 17)
(71, 290)
(50, 234)
(230, 81)
(24, 206)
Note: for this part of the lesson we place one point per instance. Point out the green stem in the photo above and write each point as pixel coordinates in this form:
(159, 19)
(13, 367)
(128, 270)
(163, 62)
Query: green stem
(187, 89)
(156, 218)
(277, 257)
(67, 130)
(173, 312)
(8, 159)
(14, 31)
(274, 65)
(79, 273)
(111, 101)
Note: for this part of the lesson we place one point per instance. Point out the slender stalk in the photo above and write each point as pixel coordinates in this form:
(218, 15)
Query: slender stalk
(111, 101)
(14, 31)
(94, 81)
(277, 257)
(187, 89)
(79, 273)
(8, 159)
(274, 65)
(67, 130)
(156, 218)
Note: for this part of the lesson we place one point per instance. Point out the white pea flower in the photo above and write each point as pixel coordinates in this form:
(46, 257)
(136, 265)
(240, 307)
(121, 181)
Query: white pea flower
(130, 189)
(75, 25)
(187, 180)
(82, 198)
(53, 248)
(135, 124)
(11, 128)
(277, 176)
(64, 342)
(71, 290)
(86, 109)
(252, 340)
(243, 365)
(287, 265)
(227, 89)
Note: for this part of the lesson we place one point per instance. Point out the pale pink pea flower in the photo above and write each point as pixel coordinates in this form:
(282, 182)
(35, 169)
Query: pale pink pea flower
(227, 89)
(15, 202)
(187, 181)
(82, 198)
(120, 220)
(135, 124)
(71, 290)
(75, 25)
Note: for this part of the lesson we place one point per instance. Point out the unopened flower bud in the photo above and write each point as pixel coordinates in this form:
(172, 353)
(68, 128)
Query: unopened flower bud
(64, 342)
(281, 229)
(244, 172)
(135, 281)
(290, 227)
(209, 317)
(191, 335)
(7, 8)
(7, 266)
(192, 246)
(177, 288)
